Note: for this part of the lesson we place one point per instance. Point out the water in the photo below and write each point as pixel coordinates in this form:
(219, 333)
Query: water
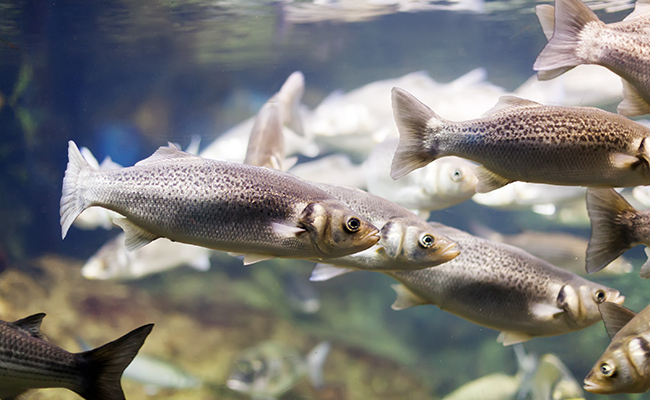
(123, 78)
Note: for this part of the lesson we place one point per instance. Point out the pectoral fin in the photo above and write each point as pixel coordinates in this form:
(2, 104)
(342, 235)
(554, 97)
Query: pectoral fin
(286, 230)
(545, 311)
(510, 338)
(488, 180)
(135, 237)
(324, 272)
(255, 258)
(405, 298)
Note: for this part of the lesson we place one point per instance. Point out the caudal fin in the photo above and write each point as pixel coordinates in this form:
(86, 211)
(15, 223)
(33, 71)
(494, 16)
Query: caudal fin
(105, 365)
(609, 238)
(559, 55)
(72, 202)
(412, 118)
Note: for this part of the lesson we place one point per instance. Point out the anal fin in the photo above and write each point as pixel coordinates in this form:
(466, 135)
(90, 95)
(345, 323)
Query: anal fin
(136, 237)
(405, 298)
(633, 104)
(324, 272)
(488, 180)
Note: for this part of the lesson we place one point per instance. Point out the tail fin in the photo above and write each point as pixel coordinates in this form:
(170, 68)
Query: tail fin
(412, 118)
(72, 204)
(106, 364)
(315, 360)
(609, 239)
(559, 54)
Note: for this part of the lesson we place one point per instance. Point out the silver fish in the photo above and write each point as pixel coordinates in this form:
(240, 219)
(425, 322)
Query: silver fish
(219, 205)
(406, 241)
(113, 261)
(28, 361)
(624, 365)
(504, 288)
(616, 227)
(520, 140)
(579, 37)
(270, 369)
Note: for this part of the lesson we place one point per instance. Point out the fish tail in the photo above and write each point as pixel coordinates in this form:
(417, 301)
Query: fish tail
(609, 238)
(104, 365)
(413, 118)
(315, 360)
(72, 201)
(560, 55)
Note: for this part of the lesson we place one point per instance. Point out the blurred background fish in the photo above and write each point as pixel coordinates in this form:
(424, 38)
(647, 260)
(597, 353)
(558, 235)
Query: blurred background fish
(269, 369)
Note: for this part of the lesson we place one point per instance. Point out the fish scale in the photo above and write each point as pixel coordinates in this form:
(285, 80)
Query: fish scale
(504, 288)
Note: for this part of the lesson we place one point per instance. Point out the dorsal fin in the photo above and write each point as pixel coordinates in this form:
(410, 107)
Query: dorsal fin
(168, 152)
(32, 324)
(615, 317)
(510, 103)
(633, 103)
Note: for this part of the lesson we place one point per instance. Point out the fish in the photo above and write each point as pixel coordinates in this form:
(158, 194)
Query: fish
(579, 37)
(521, 140)
(443, 183)
(232, 207)
(501, 287)
(406, 241)
(561, 249)
(616, 227)
(113, 262)
(270, 369)
(623, 366)
(28, 361)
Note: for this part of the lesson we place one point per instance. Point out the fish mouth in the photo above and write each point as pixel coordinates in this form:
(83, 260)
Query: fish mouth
(592, 387)
(619, 300)
(449, 252)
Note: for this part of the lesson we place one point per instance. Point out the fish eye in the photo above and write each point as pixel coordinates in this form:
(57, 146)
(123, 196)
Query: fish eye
(427, 241)
(353, 224)
(600, 296)
(606, 369)
(457, 176)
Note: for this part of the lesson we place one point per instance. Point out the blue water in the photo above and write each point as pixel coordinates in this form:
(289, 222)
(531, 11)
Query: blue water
(124, 78)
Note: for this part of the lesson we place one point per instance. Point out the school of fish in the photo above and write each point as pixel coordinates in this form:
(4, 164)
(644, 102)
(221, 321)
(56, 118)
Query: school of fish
(242, 195)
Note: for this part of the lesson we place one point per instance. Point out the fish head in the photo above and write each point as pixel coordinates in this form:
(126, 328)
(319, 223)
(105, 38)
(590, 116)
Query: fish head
(450, 178)
(580, 302)
(247, 375)
(110, 263)
(621, 368)
(415, 243)
(337, 231)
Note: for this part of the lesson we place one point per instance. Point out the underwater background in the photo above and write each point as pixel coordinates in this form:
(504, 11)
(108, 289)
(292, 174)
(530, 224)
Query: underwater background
(125, 77)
